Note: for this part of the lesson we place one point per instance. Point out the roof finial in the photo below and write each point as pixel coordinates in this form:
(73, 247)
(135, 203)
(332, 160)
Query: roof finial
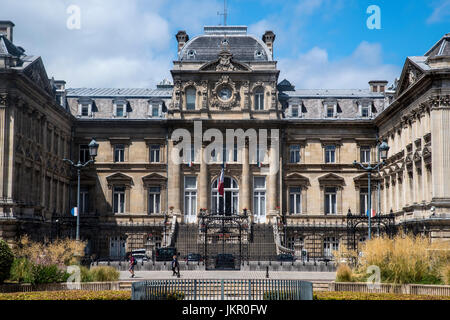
(225, 12)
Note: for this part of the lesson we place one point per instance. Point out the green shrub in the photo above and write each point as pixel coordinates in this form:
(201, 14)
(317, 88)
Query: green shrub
(445, 274)
(22, 271)
(175, 295)
(344, 273)
(279, 295)
(48, 274)
(86, 274)
(6, 261)
(104, 273)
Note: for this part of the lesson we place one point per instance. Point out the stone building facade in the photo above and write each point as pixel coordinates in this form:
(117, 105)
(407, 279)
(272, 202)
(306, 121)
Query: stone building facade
(223, 80)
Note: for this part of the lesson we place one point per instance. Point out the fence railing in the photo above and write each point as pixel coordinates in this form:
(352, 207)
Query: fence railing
(276, 234)
(203, 289)
(415, 289)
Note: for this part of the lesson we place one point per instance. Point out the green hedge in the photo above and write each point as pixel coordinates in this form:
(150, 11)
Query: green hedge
(279, 295)
(6, 261)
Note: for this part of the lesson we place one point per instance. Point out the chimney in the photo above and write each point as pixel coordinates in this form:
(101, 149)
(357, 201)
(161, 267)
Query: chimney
(182, 38)
(269, 39)
(6, 28)
(378, 86)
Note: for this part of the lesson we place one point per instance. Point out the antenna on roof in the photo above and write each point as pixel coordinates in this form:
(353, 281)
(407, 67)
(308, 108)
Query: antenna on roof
(225, 13)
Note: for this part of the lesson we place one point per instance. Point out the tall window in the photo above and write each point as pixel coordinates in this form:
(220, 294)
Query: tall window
(119, 200)
(190, 98)
(330, 244)
(154, 200)
(295, 202)
(120, 110)
(330, 200)
(363, 200)
(84, 153)
(365, 154)
(84, 200)
(259, 196)
(330, 111)
(294, 111)
(154, 153)
(330, 154)
(229, 203)
(365, 111)
(84, 110)
(190, 196)
(155, 111)
(259, 99)
(294, 154)
(119, 153)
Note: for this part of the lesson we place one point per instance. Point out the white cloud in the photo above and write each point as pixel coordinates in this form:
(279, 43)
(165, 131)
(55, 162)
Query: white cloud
(440, 13)
(313, 69)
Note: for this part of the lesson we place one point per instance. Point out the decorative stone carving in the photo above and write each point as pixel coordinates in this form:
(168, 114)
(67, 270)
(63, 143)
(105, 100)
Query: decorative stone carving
(225, 63)
(233, 101)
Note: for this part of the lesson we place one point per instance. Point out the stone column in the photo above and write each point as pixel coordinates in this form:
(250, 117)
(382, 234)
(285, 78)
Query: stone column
(245, 186)
(203, 181)
(272, 182)
(174, 184)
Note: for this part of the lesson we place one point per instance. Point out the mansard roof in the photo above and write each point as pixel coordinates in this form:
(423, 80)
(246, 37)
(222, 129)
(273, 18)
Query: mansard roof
(334, 93)
(441, 48)
(165, 92)
(8, 48)
(243, 47)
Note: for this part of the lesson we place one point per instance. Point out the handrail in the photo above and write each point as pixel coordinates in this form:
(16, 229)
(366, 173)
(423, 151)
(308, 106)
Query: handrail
(276, 235)
(171, 235)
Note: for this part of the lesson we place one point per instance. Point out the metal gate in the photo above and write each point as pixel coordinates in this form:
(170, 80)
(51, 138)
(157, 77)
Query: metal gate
(225, 240)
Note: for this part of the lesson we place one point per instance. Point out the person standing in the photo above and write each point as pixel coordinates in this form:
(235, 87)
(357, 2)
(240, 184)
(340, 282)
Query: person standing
(132, 264)
(175, 266)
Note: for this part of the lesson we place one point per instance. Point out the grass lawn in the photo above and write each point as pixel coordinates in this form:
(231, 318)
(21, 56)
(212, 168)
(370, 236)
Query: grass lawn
(126, 295)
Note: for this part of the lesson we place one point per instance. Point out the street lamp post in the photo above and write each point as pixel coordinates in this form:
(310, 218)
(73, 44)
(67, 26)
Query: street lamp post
(93, 149)
(383, 149)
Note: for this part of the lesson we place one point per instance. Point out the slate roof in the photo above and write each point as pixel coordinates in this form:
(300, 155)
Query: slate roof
(119, 92)
(8, 48)
(244, 47)
(441, 48)
(333, 93)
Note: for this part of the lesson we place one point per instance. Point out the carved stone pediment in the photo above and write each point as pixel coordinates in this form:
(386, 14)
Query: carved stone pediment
(411, 73)
(225, 63)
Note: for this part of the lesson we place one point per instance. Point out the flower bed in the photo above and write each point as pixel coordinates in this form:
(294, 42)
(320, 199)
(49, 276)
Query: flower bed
(68, 295)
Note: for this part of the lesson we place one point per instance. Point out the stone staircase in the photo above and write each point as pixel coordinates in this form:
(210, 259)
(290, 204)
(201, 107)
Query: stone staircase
(262, 244)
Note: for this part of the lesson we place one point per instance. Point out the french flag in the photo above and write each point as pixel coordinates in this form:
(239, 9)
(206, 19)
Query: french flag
(221, 186)
(373, 213)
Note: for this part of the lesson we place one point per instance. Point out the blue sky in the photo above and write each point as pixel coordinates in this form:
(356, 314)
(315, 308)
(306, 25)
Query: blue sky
(319, 44)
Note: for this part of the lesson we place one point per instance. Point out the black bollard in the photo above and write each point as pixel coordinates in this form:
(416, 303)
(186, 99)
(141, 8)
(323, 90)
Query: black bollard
(267, 272)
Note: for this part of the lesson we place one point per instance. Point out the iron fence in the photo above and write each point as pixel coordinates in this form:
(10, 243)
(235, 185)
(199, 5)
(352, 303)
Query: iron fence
(203, 289)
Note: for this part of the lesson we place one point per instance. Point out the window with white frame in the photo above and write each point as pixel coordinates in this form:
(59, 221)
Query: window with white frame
(330, 110)
(191, 96)
(365, 154)
(295, 200)
(330, 244)
(119, 153)
(259, 99)
(119, 199)
(330, 200)
(363, 200)
(120, 110)
(259, 196)
(84, 153)
(365, 111)
(84, 110)
(155, 110)
(154, 200)
(294, 154)
(190, 196)
(330, 154)
(154, 153)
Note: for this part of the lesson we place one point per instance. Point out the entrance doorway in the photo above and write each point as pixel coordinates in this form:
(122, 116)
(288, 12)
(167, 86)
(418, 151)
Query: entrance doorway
(228, 204)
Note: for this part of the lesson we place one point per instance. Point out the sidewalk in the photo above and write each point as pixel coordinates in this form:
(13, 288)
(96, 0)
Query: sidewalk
(287, 275)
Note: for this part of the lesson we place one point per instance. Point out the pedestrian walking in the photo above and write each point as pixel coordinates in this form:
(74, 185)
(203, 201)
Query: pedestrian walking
(175, 266)
(133, 262)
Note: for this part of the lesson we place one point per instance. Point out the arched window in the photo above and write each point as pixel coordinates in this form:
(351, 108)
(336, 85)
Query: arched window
(259, 99)
(190, 98)
(229, 203)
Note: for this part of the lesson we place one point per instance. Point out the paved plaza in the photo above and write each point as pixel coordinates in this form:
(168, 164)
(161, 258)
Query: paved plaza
(198, 274)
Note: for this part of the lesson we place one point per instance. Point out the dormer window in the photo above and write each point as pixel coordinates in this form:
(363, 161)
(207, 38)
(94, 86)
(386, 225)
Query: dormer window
(330, 109)
(259, 54)
(191, 54)
(120, 109)
(259, 99)
(294, 111)
(365, 111)
(155, 109)
(84, 110)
